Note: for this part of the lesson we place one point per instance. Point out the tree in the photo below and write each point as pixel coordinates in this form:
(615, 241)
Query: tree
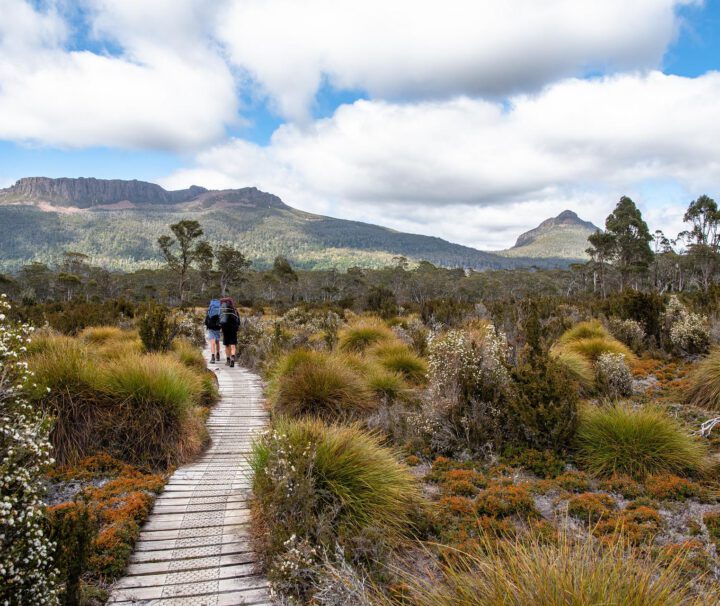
(231, 266)
(702, 237)
(632, 240)
(283, 270)
(186, 232)
(204, 258)
(601, 251)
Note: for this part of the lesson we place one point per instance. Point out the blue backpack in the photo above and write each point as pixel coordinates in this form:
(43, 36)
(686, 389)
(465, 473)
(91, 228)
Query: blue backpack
(214, 309)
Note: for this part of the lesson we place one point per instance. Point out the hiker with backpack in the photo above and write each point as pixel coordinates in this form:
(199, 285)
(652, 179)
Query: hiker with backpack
(212, 323)
(229, 324)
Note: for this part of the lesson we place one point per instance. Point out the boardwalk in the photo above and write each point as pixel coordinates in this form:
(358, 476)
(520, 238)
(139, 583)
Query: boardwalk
(194, 548)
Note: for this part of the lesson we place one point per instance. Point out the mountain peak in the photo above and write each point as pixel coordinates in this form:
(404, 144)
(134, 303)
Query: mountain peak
(566, 219)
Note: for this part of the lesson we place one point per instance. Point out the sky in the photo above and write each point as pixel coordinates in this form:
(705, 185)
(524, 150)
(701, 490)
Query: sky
(472, 120)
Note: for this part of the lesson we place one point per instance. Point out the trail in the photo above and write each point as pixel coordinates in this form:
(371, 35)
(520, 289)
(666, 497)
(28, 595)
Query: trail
(194, 549)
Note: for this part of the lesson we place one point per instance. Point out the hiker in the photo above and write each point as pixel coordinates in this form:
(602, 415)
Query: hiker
(212, 323)
(230, 324)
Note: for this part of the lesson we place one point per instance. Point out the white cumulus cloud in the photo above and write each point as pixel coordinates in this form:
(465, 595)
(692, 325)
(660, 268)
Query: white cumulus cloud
(451, 167)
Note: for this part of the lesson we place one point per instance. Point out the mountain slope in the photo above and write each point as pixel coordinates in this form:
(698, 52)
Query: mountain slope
(564, 236)
(117, 224)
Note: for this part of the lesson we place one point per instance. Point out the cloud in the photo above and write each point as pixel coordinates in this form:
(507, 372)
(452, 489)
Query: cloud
(411, 49)
(156, 92)
(479, 172)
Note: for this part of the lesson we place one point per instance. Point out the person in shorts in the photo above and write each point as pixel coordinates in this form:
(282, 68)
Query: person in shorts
(212, 324)
(229, 324)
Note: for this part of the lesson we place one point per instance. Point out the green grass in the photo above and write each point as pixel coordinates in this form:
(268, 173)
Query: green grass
(140, 408)
(97, 335)
(704, 382)
(356, 482)
(578, 366)
(319, 384)
(566, 572)
(364, 334)
(397, 357)
(189, 355)
(636, 442)
(386, 384)
(584, 330)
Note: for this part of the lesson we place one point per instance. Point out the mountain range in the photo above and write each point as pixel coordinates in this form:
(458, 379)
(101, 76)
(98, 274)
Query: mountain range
(117, 223)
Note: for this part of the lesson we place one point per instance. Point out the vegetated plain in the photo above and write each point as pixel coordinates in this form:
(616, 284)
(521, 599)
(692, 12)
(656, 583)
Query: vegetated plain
(521, 448)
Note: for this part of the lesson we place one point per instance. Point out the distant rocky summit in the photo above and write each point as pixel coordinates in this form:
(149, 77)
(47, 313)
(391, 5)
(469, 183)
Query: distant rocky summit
(564, 236)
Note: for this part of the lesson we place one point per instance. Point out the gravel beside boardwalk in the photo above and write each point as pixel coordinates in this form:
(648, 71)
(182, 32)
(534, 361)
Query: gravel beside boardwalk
(194, 548)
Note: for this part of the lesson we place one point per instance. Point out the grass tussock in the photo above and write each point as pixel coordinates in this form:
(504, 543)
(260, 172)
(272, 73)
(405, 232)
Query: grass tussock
(189, 355)
(582, 572)
(142, 409)
(389, 385)
(397, 357)
(590, 340)
(579, 368)
(636, 442)
(704, 383)
(364, 334)
(319, 384)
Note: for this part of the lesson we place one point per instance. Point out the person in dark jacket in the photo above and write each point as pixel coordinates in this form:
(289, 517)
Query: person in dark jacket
(212, 323)
(229, 324)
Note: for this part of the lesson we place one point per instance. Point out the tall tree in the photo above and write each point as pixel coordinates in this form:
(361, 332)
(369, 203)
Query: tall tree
(231, 266)
(186, 233)
(703, 238)
(601, 251)
(204, 258)
(632, 240)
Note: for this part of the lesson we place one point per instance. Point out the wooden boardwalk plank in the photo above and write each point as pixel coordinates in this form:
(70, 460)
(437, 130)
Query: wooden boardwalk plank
(194, 549)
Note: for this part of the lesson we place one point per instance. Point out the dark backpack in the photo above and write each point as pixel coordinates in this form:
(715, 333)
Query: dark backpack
(228, 315)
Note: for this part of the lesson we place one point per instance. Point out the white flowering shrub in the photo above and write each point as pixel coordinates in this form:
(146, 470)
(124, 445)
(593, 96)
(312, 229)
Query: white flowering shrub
(613, 376)
(688, 332)
(629, 332)
(27, 576)
(469, 379)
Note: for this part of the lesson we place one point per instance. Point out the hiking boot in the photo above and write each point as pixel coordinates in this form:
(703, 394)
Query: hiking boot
(212, 359)
(232, 362)
(227, 362)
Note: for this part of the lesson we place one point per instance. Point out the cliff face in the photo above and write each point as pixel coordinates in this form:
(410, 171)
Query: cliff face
(86, 193)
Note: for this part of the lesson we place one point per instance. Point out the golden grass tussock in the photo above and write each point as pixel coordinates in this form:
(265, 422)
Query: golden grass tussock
(637, 442)
(397, 357)
(140, 408)
(704, 382)
(363, 334)
(578, 366)
(590, 340)
(319, 384)
(579, 571)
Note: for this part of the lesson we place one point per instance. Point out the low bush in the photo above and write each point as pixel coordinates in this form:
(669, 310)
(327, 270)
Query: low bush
(591, 507)
(669, 486)
(557, 573)
(319, 486)
(636, 442)
(704, 382)
(629, 332)
(157, 329)
(319, 384)
(364, 334)
(613, 377)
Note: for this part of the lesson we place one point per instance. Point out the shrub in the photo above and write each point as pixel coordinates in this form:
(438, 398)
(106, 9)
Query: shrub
(157, 329)
(704, 382)
(398, 358)
(687, 332)
(629, 332)
(555, 573)
(318, 486)
(542, 413)
(668, 486)
(591, 507)
(26, 571)
(320, 384)
(543, 463)
(636, 442)
(501, 500)
(366, 333)
(614, 378)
